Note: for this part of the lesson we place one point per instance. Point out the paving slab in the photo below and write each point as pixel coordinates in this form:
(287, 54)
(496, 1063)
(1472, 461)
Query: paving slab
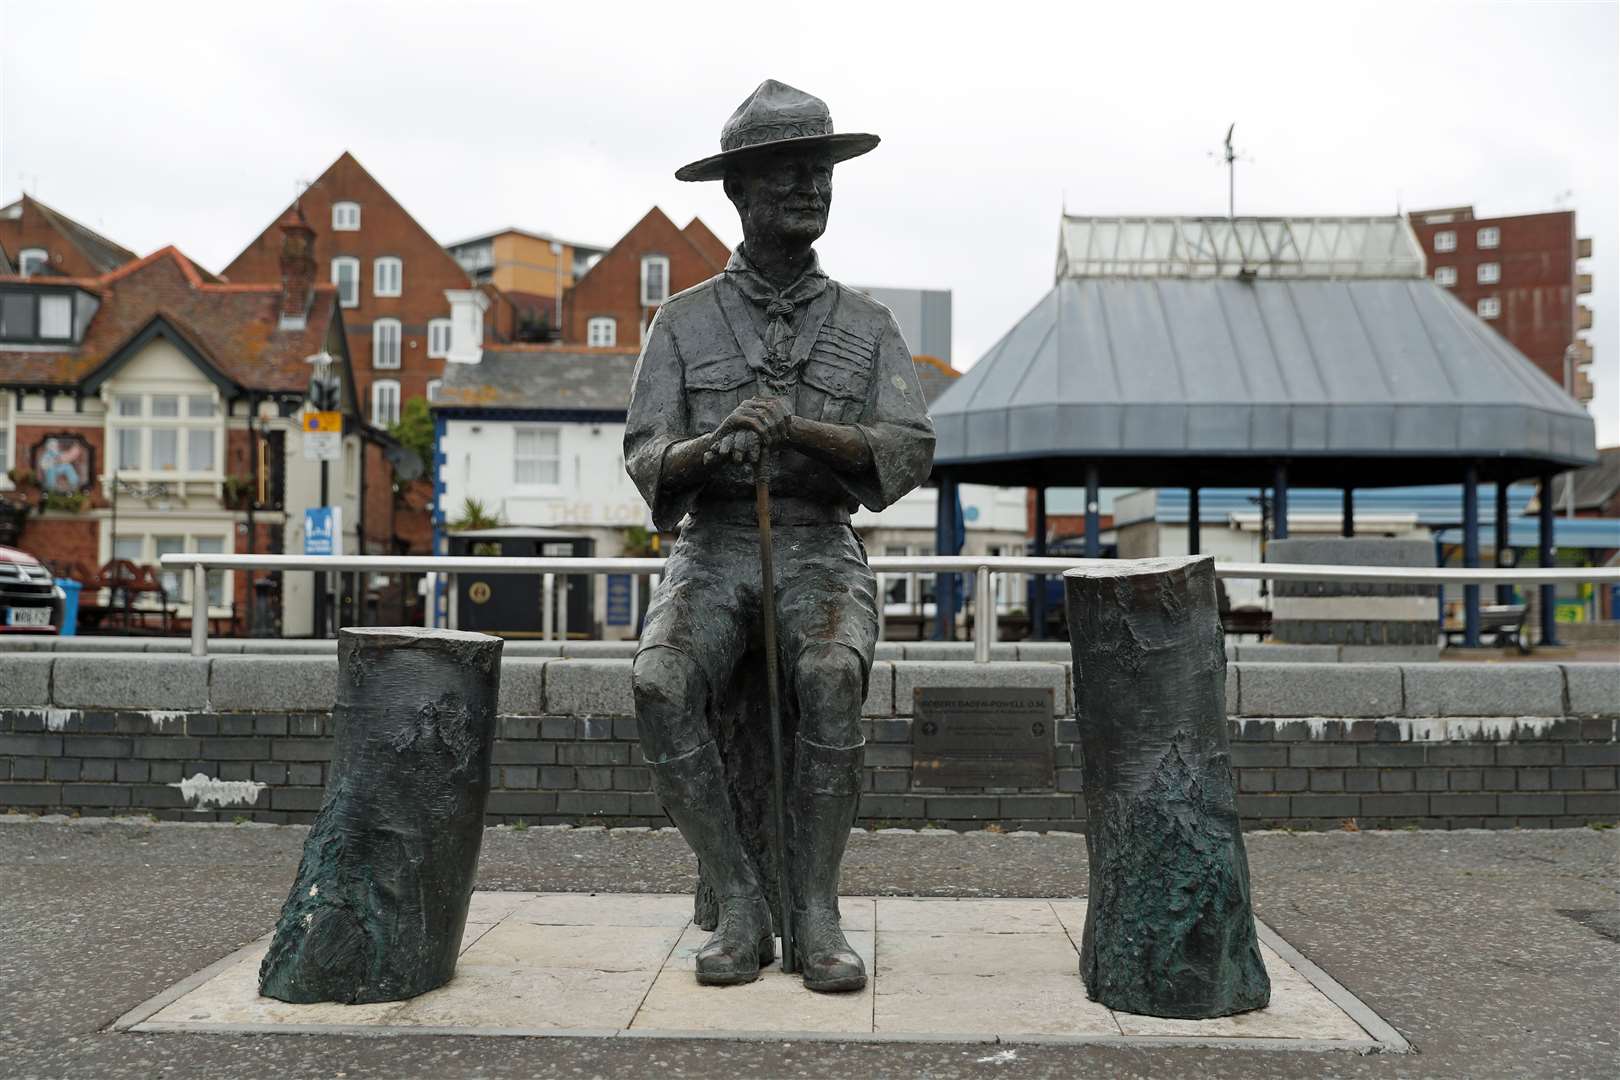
(614, 964)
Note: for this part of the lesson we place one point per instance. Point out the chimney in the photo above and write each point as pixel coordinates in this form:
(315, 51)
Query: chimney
(467, 307)
(297, 269)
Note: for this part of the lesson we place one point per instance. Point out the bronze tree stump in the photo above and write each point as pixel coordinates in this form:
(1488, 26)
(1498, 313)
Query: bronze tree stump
(1169, 928)
(380, 902)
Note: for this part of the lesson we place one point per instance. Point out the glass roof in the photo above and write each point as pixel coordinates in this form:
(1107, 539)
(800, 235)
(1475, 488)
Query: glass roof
(1322, 247)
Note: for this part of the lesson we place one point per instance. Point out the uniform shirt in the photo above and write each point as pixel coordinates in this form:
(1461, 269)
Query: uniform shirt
(831, 353)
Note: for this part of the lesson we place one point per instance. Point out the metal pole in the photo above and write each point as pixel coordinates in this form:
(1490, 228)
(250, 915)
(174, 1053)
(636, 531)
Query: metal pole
(984, 622)
(1504, 591)
(1093, 514)
(1347, 523)
(882, 604)
(320, 577)
(1279, 508)
(199, 610)
(1195, 539)
(547, 592)
(1548, 557)
(767, 597)
(1037, 606)
(1471, 553)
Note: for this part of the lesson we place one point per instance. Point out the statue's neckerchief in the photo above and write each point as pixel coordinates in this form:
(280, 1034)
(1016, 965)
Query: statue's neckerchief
(779, 360)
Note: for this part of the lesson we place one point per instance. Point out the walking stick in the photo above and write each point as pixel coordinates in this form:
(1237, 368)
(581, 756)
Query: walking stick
(767, 576)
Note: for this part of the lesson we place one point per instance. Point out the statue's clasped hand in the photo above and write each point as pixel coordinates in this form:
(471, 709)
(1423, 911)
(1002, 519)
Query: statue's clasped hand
(755, 425)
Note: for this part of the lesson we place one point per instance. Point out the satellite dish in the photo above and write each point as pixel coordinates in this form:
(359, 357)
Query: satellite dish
(407, 465)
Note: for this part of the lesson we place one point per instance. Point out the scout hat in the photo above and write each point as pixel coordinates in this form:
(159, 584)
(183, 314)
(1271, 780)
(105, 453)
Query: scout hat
(776, 116)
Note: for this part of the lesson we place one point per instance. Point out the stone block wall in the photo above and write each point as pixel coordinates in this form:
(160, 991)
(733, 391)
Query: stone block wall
(248, 736)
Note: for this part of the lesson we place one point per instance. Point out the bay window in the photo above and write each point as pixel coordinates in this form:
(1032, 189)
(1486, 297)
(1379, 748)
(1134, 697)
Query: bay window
(165, 435)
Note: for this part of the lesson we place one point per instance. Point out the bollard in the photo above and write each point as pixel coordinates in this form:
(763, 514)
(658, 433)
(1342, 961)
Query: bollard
(1169, 928)
(380, 902)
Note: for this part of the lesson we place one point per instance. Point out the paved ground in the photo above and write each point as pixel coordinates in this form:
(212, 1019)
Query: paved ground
(1496, 954)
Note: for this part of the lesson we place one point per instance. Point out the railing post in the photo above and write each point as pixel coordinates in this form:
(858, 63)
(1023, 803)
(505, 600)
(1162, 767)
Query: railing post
(199, 610)
(882, 600)
(546, 591)
(983, 628)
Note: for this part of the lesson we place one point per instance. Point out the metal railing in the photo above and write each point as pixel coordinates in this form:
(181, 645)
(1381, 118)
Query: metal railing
(983, 567)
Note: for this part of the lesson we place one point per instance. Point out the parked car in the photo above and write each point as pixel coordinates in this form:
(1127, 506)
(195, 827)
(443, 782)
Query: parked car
(30, 602)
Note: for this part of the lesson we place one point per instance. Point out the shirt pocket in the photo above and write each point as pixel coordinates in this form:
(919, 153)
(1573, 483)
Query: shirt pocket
(714, 387)
(840, 368)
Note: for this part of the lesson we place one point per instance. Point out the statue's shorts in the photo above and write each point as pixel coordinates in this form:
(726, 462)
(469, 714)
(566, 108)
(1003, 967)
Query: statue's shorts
(707, 606)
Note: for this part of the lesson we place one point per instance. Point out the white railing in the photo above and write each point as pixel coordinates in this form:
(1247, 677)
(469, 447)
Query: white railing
(983, 567)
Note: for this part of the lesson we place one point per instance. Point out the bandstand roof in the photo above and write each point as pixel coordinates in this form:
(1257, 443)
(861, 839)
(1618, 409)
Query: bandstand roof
(1192, 350)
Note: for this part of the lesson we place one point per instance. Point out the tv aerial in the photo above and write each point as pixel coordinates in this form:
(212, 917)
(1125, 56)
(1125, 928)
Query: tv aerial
(1230, 156)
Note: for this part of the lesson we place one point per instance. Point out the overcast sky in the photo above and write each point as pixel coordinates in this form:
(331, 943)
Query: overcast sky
(191, 124)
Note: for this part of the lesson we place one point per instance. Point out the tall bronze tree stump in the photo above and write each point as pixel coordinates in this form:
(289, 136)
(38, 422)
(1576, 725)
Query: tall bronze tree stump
(1169, 928)
(380, 902)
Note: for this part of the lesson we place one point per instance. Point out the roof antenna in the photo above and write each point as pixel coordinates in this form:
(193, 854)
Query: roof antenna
(1231, 157)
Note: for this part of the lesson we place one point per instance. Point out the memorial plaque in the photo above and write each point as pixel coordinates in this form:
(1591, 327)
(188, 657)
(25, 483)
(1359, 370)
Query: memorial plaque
(982, 737)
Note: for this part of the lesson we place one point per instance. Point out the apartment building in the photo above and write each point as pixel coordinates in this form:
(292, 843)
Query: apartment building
(613, 302)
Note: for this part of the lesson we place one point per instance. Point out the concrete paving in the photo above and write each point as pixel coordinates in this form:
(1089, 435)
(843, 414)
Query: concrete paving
(1495, 954)
(621, 964)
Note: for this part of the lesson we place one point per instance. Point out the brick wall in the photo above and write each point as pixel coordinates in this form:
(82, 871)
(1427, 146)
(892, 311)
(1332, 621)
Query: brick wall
(1426, 745)
(612, 287)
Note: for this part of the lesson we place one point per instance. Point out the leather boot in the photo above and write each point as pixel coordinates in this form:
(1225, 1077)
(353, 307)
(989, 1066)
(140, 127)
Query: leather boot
(692, 788)
(826, 795)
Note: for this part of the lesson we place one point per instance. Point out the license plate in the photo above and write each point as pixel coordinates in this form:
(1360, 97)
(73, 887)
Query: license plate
(28, 616)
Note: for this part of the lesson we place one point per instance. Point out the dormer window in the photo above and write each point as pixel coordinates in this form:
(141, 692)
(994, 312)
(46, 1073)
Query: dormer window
(31, 261)
(36, 316)
(346, 217)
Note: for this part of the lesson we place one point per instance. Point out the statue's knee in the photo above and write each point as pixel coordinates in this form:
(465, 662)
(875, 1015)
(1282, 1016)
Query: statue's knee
(663, 678)
(829, 685)
(670, 700)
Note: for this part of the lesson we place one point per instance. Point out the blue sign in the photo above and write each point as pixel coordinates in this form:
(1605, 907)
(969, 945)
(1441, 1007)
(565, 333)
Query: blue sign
(323, 530)
(618, 599)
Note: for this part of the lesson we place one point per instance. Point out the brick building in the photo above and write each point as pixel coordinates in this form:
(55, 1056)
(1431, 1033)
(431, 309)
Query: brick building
(1521, 275)
(530, 273)
(155, 409)
(391, 278)
(612, 304)
(34, 239)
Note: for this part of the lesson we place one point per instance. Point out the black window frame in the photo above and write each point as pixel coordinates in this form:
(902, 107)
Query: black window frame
(37, 294)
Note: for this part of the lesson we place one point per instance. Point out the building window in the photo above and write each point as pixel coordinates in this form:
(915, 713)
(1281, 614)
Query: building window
(36, 316)
(1489, 307)
(1445, 240)
(31, 261)
(601, 332)
(388, 275)
(385, 403)
(1489, 237)
(654, 280)
(1445, 275)
(170, 436)
(1489, 273)
(536, 457)
(438, 338)
(346, 276)
(433, 386)
(148, 549)
(385, 343)
(345, 216)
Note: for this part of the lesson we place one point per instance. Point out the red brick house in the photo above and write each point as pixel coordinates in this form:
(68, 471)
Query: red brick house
(391, 278)
(615, 300)
(34, 239)
(155, 409)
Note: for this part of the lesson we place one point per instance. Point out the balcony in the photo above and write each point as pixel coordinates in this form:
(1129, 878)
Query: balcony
(1583, 284)
(1583, 317)
(1583, 248)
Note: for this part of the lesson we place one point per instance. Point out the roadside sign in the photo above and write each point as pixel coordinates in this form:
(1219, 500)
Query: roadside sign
(323, 530)
(323, 435)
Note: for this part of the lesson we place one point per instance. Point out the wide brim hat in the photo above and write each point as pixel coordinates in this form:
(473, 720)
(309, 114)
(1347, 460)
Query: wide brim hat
(777, 117)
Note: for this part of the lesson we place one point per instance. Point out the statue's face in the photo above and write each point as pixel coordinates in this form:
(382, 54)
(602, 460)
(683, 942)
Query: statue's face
(784, 195)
